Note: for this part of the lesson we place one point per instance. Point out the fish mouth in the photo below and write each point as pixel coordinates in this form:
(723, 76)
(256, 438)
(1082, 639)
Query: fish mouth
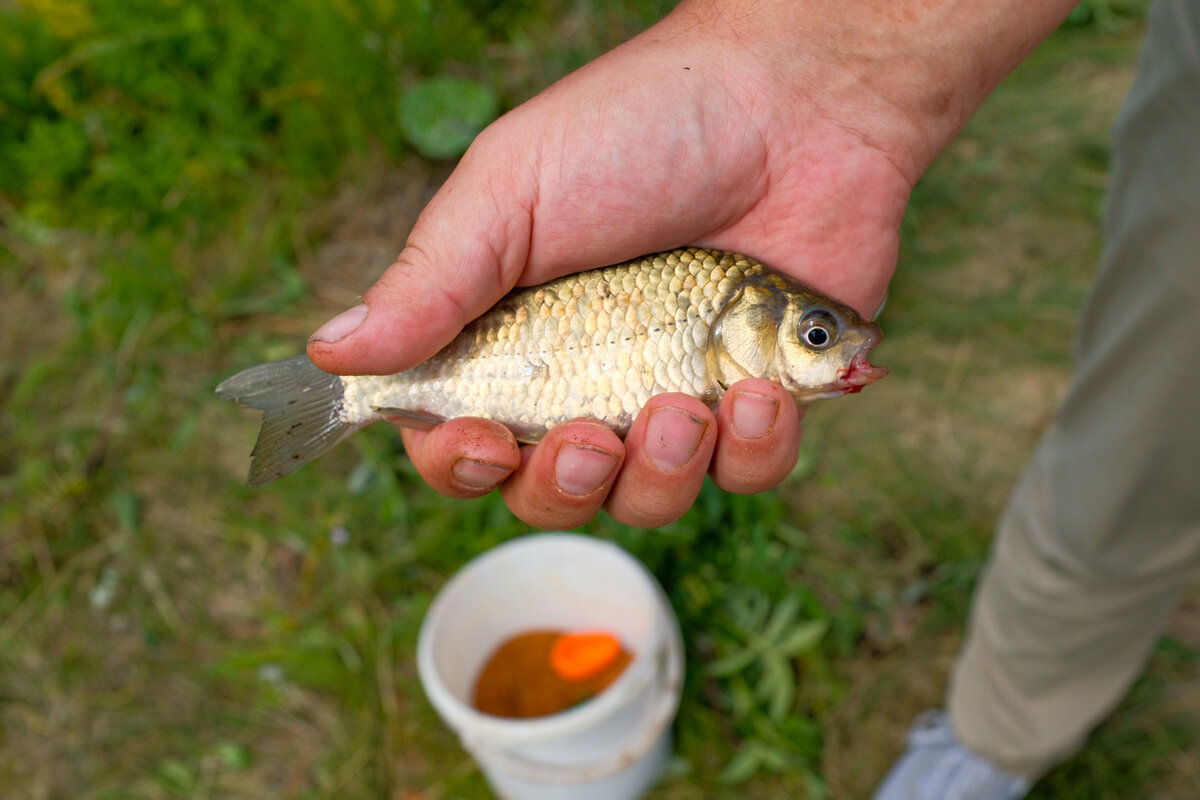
(850, 380)
(860, 373)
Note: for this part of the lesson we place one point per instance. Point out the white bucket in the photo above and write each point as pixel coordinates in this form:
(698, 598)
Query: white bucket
(611, 747)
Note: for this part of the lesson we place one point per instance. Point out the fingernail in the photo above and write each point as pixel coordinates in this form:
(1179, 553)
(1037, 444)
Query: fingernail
(479, 474)
(754, 414)
(672, 436)
(342, 325)
(582, 469)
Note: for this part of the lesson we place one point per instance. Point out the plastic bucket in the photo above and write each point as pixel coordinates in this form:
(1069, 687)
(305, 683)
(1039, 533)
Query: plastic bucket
(611, 747)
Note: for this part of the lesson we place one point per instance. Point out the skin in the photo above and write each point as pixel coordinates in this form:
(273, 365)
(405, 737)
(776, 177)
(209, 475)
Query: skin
(791, 130)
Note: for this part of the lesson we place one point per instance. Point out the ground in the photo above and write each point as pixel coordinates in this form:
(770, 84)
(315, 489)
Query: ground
(166, 632)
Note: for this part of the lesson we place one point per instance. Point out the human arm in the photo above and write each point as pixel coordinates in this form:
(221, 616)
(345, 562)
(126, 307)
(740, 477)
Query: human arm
(792, 131)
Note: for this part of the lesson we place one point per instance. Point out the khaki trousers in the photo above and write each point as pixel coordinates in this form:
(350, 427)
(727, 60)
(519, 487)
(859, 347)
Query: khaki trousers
(1103, 531)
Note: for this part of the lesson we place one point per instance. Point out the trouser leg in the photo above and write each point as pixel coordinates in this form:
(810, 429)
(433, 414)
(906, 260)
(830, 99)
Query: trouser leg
(1103, 531)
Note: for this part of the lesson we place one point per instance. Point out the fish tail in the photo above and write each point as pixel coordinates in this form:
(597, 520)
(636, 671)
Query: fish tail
(303, 414)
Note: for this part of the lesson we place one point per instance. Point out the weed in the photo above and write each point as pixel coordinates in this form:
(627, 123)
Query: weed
(190, 187)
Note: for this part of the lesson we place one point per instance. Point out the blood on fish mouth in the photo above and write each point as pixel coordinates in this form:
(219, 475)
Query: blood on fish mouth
(861, 372)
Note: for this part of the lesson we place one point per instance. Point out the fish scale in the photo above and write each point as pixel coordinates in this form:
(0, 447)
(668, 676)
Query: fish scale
(539, 359)
(595, 344)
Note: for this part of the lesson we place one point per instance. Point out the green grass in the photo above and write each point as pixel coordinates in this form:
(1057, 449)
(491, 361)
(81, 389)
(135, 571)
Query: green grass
(187, 188)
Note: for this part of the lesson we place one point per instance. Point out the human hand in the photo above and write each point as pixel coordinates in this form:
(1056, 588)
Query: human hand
(761, 129)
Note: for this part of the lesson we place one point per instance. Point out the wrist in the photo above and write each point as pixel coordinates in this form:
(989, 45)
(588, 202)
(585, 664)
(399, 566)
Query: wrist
(904, 75)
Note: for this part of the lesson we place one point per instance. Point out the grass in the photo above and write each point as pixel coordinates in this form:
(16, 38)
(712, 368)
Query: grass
(192, 187)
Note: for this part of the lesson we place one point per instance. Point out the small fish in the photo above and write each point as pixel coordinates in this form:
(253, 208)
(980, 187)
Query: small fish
(594, 344)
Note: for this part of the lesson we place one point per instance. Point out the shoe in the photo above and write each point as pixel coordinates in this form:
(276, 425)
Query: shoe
(937, 766)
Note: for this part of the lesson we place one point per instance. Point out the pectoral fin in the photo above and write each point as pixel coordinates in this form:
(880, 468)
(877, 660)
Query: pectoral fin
(407, 418)
(425, 420)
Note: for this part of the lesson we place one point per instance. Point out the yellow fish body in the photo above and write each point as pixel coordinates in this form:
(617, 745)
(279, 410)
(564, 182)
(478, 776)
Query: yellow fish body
(593, 344)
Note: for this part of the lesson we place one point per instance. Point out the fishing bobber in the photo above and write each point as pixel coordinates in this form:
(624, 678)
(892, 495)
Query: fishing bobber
(557, 660)
(543, 672)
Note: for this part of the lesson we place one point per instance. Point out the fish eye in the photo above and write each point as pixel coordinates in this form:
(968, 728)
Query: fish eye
(818, 329)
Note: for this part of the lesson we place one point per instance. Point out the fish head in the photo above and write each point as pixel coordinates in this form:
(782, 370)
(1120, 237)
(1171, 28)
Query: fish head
(777, 328)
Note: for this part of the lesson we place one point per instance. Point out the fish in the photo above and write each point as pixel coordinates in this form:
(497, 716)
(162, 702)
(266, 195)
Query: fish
(593, 344)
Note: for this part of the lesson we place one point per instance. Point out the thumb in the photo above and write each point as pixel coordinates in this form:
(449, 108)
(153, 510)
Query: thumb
(465, 252)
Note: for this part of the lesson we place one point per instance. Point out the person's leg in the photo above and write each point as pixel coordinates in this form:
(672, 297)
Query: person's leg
(1104, 529)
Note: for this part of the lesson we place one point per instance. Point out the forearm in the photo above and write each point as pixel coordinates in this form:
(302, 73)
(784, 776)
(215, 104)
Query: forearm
(905, 74)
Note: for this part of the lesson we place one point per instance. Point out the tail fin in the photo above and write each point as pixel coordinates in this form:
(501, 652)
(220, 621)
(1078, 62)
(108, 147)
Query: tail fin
(303, 414)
